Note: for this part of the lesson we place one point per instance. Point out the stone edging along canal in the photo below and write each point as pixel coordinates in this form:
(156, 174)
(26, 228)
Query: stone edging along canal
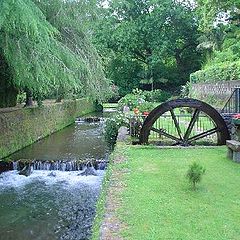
(106, 224)
(25, 126)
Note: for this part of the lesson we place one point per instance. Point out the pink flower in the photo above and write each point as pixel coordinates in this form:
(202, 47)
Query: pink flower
(237, 116)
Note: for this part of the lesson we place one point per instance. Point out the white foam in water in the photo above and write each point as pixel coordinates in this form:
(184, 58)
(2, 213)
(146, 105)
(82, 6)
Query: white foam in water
(12, 179)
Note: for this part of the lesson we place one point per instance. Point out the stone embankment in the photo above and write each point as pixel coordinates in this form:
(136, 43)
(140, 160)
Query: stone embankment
(22, 127)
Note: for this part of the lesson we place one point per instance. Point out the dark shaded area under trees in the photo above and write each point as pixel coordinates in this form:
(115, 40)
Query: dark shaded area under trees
(8, 93)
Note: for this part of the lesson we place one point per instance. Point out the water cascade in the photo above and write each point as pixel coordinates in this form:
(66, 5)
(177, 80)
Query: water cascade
(57, 200)
(60, 165)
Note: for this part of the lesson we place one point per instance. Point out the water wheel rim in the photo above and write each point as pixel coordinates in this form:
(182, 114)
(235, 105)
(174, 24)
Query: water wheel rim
(220, 126)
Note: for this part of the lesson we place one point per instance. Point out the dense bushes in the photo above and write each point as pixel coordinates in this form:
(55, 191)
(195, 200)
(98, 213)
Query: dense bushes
(132, 100)
(112, 126)
(223, 62)
(219, 72)
(156, 95)
(139, 103)
(111, 132)
(140, 99)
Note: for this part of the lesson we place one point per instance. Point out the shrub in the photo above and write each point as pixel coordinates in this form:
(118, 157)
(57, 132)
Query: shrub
(146, 107)
(156, 95)
(185, 90)
(195, 173)
(131, 100)
(219, 72)
(112, 126)
(111, 132)
(143, 99)
(21, 98)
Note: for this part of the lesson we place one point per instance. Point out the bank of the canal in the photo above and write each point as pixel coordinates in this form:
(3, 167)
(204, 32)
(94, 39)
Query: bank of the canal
(107, 226)
(147, 195)
(22, 127)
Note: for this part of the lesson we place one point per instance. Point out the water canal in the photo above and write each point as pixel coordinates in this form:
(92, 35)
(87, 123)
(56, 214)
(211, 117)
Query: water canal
(53, 204)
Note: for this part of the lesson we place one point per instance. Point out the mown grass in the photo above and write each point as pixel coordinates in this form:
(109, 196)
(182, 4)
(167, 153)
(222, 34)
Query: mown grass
(158, 202)
(115, 105)
(110, 105)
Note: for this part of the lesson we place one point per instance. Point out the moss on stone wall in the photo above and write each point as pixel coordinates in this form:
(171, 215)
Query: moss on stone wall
(23, 127)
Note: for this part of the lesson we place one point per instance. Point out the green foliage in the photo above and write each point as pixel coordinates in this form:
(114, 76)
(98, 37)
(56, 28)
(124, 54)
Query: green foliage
(142, 49)
(157, 95)
(146, 107)
(219, 41)
(220, 72)
(47, 50)
(112, 126)
(143, 100)
(21, 98)
(111, 132)
(185, 90)
(132, 100)
(195, 173)
(211, 10)
(123, 73)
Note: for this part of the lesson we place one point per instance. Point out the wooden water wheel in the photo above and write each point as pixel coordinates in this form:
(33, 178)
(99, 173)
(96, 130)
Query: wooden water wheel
(184, 122)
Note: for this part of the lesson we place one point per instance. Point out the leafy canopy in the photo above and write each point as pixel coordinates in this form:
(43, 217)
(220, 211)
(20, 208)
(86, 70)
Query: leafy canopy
(46, 48)
(219, 40)
(148, 42)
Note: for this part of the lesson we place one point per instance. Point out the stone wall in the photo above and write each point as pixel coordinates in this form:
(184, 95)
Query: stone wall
(25, 126)
(219, 90)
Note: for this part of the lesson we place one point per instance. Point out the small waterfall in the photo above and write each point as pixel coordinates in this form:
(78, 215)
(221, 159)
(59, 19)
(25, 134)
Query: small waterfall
(15, 165)
(89, 119)
(60, 165)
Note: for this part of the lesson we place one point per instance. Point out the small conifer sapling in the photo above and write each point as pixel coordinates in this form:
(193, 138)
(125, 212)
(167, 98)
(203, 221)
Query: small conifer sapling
(195, 173)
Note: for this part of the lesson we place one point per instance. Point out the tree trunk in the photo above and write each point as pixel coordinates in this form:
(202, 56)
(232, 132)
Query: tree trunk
(60, 95)
(29, 98)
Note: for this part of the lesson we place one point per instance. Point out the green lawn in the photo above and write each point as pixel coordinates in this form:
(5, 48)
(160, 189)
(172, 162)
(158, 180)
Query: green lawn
(114, 105)
(158, 202)
(110, 105)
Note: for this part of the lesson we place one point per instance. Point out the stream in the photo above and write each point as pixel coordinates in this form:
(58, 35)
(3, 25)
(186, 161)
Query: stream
(54, 204)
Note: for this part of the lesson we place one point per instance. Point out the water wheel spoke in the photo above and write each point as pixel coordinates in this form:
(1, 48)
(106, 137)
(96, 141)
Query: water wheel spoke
(204, 134)
(165, 134)
(191, 124)
(176, 123)
(196, 126)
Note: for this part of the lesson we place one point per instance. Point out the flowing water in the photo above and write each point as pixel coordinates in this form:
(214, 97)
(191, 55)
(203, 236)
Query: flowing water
(54, 204)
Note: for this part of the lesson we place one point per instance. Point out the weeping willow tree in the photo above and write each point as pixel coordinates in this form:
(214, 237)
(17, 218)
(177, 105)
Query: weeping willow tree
(43, 49)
